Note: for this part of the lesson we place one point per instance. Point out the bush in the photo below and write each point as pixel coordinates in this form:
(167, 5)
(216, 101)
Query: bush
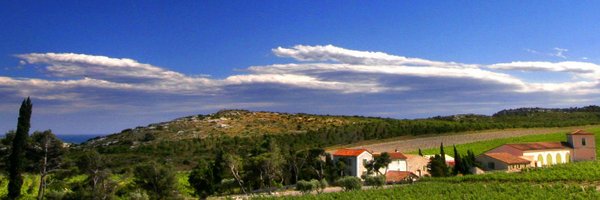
(322, 185)
(376, 181)
(349, 183)
(306, 187)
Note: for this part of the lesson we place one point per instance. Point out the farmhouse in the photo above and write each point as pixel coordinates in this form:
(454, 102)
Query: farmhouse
(580, 146)
(398, 162)
(354, 159)
(417, 164)
(402, 166)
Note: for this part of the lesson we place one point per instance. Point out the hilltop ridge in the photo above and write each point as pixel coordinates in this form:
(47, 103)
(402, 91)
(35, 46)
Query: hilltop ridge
(245, 123)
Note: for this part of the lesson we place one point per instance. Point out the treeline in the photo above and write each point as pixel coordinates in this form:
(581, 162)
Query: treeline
(528, 111)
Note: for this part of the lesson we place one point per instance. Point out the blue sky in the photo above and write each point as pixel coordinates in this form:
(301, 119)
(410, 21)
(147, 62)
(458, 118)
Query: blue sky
(100, 67)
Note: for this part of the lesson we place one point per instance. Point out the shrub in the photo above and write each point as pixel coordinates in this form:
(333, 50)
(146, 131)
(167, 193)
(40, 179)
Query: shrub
(376, 181)
(349, 183)
(305, 187)
(322, 185)
(308, 186)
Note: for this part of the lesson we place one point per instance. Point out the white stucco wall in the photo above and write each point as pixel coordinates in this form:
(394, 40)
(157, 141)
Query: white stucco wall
(395, 165)
(360, 167)
(534, 156)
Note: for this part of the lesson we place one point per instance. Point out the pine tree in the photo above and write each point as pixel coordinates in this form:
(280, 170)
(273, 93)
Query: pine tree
(16, 158)
(420, 153)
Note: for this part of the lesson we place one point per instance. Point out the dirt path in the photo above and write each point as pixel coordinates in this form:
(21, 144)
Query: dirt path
(407, 145)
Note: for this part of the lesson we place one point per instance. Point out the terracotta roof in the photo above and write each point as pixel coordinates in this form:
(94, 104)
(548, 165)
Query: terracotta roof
(397, 176)
(393, 155)
(349, 152)
(507, 158)
(539, 146)
(397, 156)
(580, 132)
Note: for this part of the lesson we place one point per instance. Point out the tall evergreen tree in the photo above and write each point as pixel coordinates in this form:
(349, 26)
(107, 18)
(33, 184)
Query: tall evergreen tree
(16, 158)
(420, 153)
(442, 152)
(458, 164)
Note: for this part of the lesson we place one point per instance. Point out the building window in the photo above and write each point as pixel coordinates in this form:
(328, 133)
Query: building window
(492, 165)
(540, 160)
(558, 158)
(583, 141)
(549, 159)
(568, 158)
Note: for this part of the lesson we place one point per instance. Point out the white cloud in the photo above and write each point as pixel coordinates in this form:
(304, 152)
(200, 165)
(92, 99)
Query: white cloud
(583, 69)
(346, 56)
(324, 79)
(560, 52)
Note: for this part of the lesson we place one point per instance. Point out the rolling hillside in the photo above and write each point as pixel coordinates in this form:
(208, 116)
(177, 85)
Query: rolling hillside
(184, 141)
(240, 123)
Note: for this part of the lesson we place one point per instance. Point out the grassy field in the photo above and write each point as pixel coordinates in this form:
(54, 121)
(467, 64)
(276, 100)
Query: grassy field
(483, 146)
(580, 172)
(466, 190)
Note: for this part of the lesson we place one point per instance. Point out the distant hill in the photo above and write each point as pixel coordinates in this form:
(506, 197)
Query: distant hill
(240, 123)
(244, 123)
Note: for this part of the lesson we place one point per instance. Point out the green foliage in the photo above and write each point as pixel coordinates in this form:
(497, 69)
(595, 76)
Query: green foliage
(205, 178)
(322, 185)
(571, 172)
(306, 186)
(376, 181)
(349, 183)
(437, 166)
(158, 181)
(437, 190)
(17, 155)
(317, 131)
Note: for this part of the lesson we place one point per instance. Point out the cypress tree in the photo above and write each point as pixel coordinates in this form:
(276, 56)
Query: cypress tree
(442, 152)
(420, 153)
(17, 156)
(458, 164)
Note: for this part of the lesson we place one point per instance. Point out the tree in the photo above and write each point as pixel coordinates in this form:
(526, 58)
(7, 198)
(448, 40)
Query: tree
(459, 167)
(382, 161)
(45, 149)
(442, 152)
(420, 153)
(297, 161)
(316, 163)
(437, 166)
(16, 158)
(234, 163)
(206, 177)
(202, 179)
(157, 180)
(469, 162)
(341, 166)
(99, 185)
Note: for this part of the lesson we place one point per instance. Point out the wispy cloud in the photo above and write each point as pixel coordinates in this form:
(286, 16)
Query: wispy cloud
(320, 79)
(556, 52)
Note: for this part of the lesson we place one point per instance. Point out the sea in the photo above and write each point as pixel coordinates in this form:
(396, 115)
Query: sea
(76, 139)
